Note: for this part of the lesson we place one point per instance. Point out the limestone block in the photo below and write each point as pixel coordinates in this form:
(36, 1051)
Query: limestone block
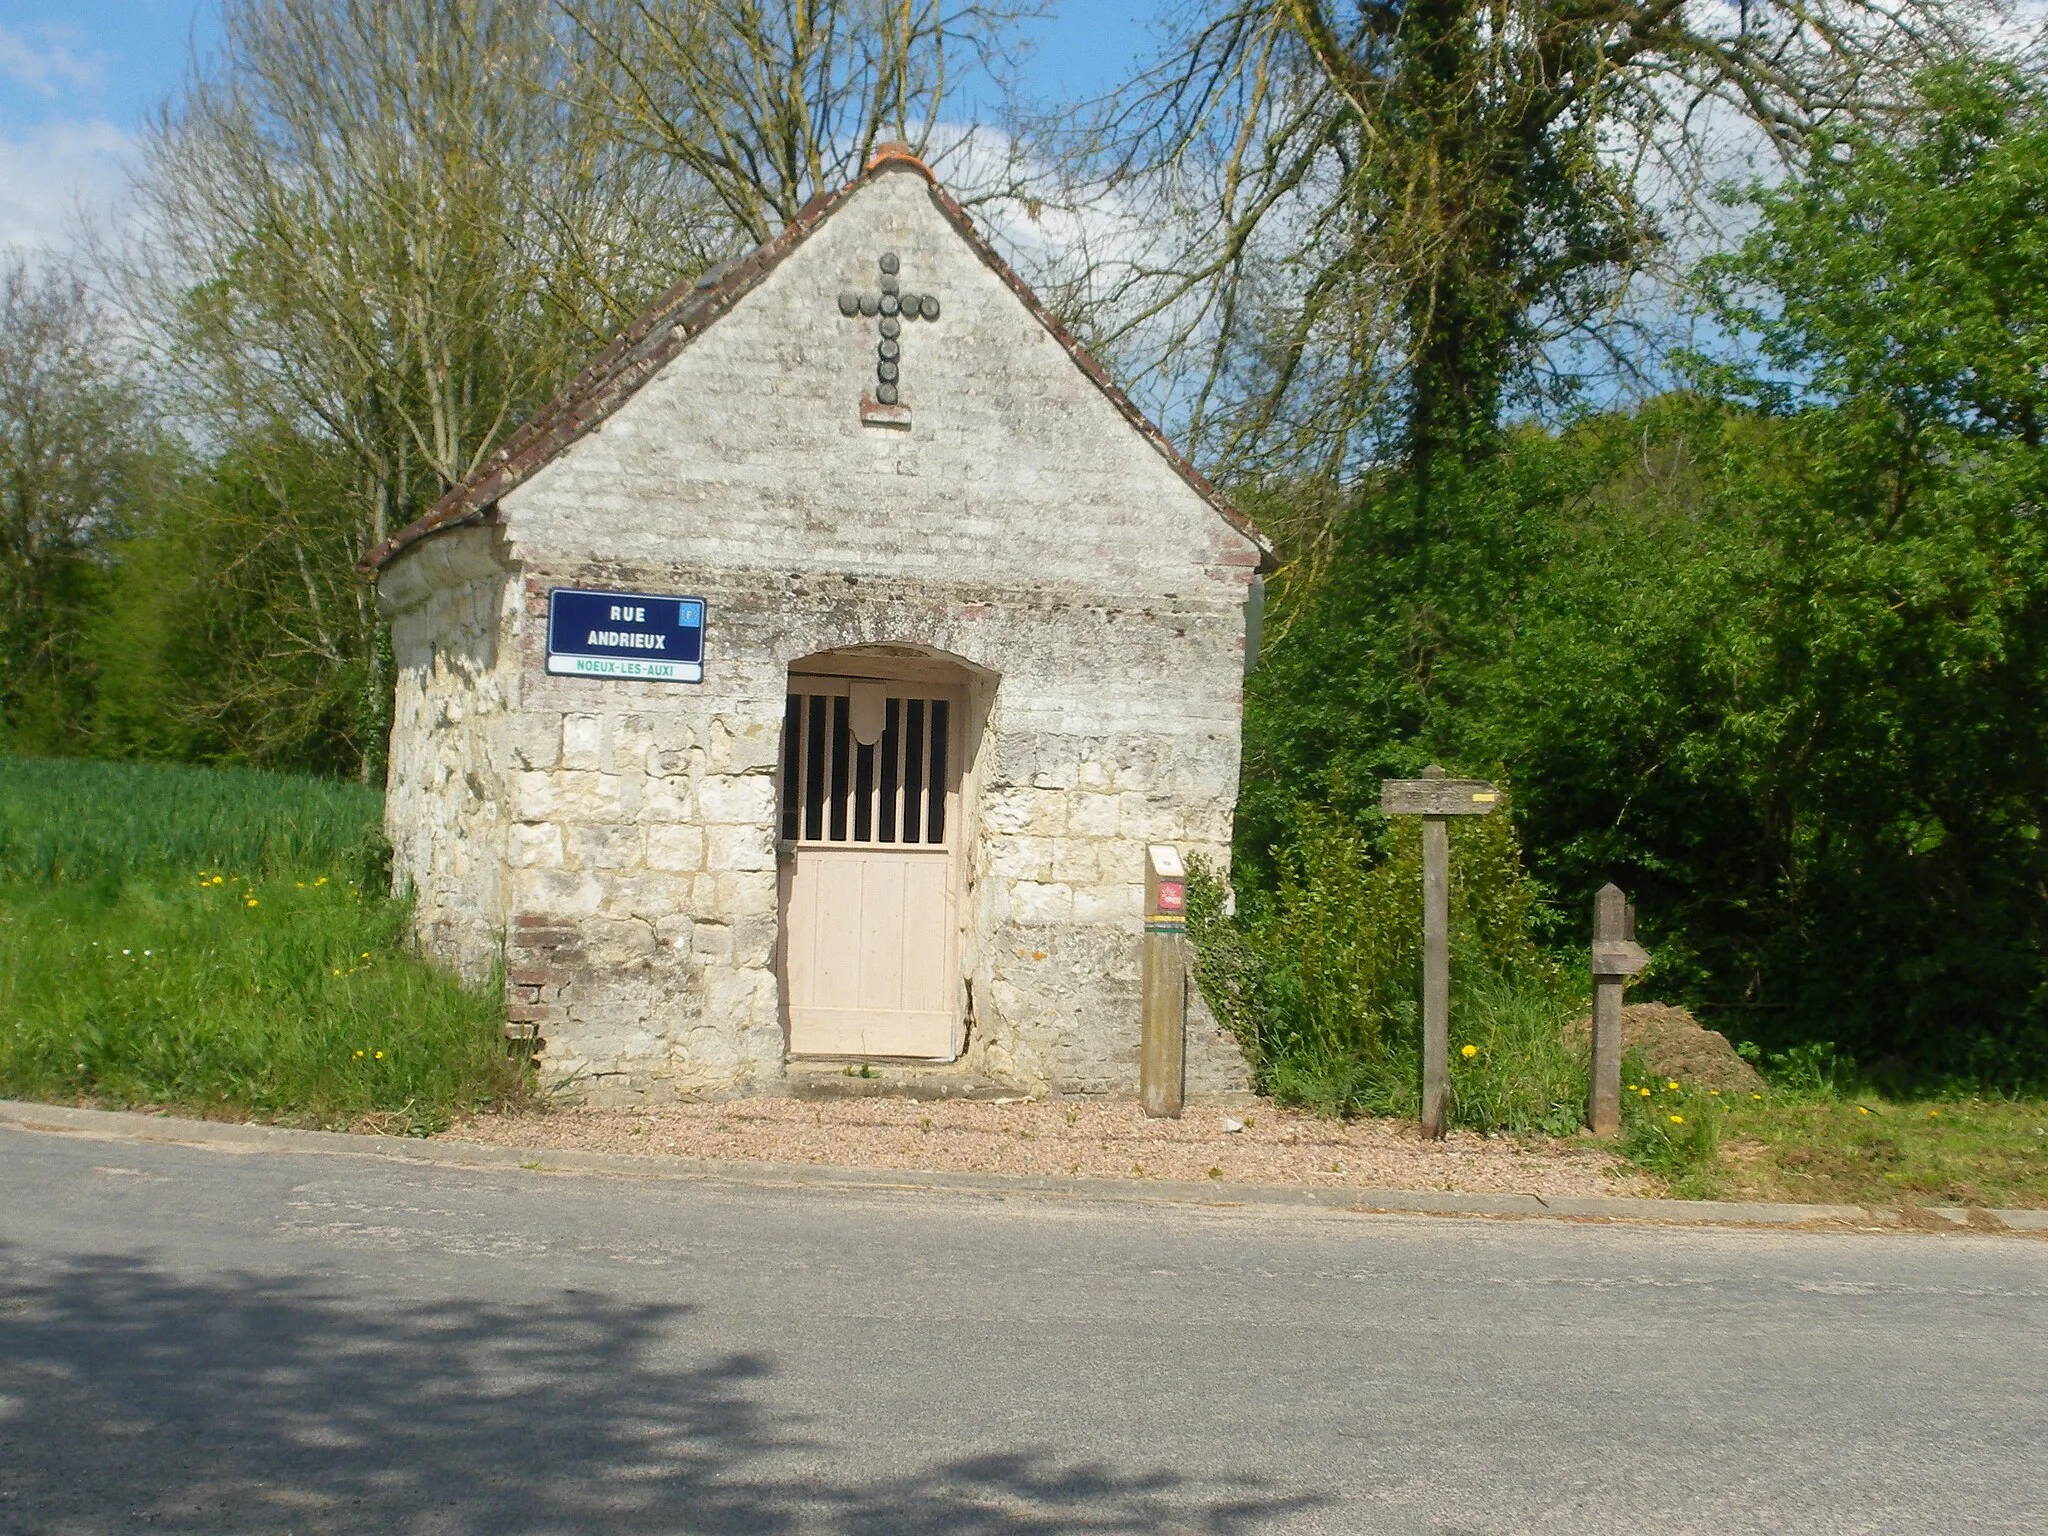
(556, 892)
(602, 847)
(753, 940)
(1018, 858)
(731, 996)
(744, 893)
(712, 942)
(1034, 901)
(711, 1053)
(614, 941)
(536, 796)
(737, 798)
(1074, 861)
(583, 742)
(645, 894)
(633, 745)
(675, 932)
(668, 798)
(583, 796)
(530, 846)
(746, 847)
(535, 741)
(675, 848)
(1109, 903)
(749, 746)
(1093, 815)
(1014, 811)
(1137, 819)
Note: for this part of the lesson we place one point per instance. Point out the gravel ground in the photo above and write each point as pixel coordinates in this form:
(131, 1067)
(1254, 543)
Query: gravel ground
(1092, 1139)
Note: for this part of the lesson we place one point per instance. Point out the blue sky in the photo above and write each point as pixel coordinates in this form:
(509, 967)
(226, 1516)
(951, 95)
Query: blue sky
(78, 78)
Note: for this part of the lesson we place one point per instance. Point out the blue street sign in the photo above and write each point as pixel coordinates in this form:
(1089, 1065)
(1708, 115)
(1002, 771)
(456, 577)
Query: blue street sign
(626, 634)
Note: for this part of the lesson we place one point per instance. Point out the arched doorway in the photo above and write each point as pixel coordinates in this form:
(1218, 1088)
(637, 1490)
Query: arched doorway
(871, 842)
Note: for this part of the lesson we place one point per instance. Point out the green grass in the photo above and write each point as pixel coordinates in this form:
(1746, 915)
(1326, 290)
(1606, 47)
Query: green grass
(136, 969)
(1868, 1150)
(66, 821)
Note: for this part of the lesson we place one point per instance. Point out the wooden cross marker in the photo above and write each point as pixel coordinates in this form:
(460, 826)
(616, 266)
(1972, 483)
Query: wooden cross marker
(1436, 799)
(891, 306)
(1616, 957)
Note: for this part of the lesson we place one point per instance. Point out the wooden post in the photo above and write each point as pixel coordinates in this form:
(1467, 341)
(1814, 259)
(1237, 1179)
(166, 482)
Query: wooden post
(1616, 957)
(1436, 799)
(1162, 1050)
(1436, 967)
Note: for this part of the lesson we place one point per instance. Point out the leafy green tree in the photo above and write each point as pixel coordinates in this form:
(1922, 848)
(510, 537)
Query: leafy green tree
(75, 458)
(1773, 655)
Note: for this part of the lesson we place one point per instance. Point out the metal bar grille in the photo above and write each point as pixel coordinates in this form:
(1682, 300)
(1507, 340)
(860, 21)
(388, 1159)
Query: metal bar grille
(835, 790)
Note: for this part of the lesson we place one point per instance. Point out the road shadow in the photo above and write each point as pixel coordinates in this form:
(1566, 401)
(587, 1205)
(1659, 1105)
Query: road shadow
(132, 1399)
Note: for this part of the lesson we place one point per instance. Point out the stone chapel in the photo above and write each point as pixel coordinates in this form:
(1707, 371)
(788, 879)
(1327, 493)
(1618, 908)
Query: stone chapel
(807, 680)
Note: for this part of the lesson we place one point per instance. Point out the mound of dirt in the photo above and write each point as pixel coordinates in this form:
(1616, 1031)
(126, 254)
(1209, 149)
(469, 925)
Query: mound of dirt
(1675, 1045)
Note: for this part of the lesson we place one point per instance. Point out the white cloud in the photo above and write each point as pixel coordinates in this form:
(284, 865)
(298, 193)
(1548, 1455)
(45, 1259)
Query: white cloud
(48, 62)
(52, 174)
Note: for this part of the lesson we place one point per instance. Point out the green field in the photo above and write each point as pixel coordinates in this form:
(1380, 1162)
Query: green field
(218, 941)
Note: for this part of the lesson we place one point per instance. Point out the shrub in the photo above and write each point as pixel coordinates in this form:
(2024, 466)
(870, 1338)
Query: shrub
(1320, 978)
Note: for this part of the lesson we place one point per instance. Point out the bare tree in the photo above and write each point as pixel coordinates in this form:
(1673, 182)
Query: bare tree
(387, 228)
(1392, 208)
(765, 103)
(72, 447)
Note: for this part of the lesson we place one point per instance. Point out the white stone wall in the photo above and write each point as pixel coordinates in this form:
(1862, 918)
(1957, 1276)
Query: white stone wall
(1020, 526)
(445, 803)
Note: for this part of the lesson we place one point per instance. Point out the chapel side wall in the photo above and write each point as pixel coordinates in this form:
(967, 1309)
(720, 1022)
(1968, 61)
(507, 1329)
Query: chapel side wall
(454, 693)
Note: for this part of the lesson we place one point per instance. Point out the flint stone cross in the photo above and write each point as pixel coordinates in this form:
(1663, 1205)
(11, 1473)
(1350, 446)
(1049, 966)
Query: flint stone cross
(891, 306)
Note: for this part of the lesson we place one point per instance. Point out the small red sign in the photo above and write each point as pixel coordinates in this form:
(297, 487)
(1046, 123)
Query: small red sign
(1173, 896)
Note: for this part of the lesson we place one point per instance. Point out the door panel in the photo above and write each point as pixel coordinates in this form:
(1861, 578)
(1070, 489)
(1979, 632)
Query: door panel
(870, 927)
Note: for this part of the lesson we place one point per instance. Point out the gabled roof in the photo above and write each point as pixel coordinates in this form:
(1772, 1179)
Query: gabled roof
(683, 313)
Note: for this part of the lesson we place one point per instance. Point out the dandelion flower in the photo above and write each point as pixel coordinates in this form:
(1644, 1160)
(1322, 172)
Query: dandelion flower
(337, 971)
(1756, 1095)
(1672, 1086)
(252, 901)
(301, 884)
(1932, 1113)
(359, 1054)
(1469, 1052)
(1678, 1119)
(380, 1055)
(216, 879)
(321, 881)
(1713, 1093)
(366, 954)
(1861, 1110)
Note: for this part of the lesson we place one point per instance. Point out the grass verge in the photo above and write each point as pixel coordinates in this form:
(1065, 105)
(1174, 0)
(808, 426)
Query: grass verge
(1874, 1151)
(287, 992)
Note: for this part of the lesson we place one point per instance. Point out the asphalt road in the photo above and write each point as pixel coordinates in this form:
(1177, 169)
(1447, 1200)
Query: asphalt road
(200, 1341)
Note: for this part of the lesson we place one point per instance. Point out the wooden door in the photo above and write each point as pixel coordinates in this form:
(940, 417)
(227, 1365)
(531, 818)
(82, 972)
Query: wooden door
(869, 840)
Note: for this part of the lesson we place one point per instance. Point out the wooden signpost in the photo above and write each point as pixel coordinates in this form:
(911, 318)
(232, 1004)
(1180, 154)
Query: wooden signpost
(1162, 1046)
(1616, 957)
(1435, 799)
